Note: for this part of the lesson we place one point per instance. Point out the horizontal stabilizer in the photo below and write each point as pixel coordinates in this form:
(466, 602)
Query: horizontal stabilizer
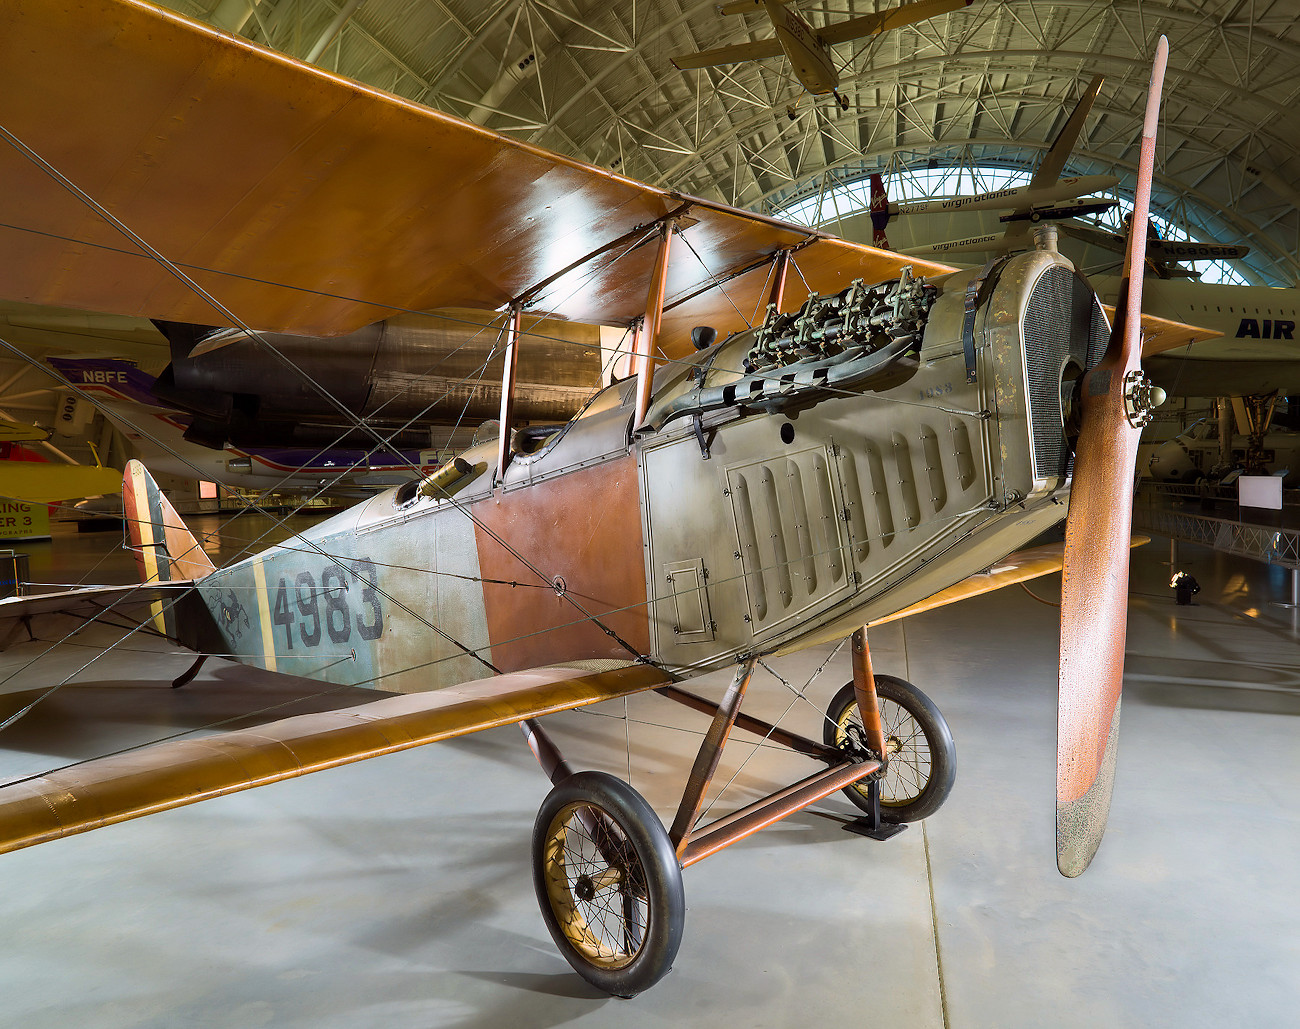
(89, 600)
(729, 54)
(873, 24)
(1059, 211)
(168, 775)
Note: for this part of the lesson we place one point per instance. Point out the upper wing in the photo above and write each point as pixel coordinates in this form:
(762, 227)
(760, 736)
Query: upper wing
(754, 51)
(305, 202)
(167, 775)
(873, 24)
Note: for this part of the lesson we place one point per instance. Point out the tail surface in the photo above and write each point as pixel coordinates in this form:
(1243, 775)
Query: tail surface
(879, 213)
(165, 550)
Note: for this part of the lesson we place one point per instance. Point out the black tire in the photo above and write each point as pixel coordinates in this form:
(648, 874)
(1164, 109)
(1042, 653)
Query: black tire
(608, 883)
(923, 761)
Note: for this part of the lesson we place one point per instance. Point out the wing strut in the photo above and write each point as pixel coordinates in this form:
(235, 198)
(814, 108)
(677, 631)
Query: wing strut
(778, 279)
(649, 333)
(508, 390)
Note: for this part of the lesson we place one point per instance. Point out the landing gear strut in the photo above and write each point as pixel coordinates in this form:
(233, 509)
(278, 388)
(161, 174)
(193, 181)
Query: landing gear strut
(922, 758)
(608, 874)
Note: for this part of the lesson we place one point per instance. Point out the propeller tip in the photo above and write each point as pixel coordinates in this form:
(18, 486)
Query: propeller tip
(1081, 821)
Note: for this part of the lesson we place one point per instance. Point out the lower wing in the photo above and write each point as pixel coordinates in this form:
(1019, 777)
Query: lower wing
(168, 775)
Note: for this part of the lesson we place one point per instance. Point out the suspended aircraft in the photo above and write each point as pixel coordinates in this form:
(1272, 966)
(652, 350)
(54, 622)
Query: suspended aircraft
(1164, 257)
(1047, 196)
(27, 477)
(885, 435)
(404, 374)
(806, 48)
(160, 435)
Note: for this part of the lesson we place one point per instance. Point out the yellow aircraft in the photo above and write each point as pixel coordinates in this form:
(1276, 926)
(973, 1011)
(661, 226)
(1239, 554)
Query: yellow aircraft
(888, 436)
(806, 48)
(35, 481)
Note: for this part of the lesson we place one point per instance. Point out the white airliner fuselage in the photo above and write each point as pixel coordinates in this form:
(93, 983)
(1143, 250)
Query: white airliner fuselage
(1258, 352)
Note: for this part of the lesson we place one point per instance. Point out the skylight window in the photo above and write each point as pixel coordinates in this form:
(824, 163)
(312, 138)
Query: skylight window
(836, 200)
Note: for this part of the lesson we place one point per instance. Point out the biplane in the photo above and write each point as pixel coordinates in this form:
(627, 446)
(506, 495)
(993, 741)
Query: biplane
(818, 436)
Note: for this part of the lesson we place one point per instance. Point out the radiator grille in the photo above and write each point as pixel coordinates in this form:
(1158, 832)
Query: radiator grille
(1063, 318)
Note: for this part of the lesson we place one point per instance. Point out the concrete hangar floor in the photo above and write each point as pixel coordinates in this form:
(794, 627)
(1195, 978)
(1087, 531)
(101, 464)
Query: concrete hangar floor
(397, 892)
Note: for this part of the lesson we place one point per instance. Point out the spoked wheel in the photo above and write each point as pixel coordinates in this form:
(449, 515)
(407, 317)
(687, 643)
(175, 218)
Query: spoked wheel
(922, 756)
(608, 883)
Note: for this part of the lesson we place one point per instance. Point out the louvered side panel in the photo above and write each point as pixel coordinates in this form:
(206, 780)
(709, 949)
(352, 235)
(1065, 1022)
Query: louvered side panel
(790, 536)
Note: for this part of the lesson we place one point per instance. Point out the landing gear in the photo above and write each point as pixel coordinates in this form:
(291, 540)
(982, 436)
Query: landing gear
(609, 876)
(922, 756)
(843, 101)
(608, 883)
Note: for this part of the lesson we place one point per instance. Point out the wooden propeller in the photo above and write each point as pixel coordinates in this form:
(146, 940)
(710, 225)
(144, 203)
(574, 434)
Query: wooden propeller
(1116, 401)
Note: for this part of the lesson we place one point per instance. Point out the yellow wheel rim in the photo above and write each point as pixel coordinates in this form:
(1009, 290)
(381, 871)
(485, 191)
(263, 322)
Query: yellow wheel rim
(596, 886)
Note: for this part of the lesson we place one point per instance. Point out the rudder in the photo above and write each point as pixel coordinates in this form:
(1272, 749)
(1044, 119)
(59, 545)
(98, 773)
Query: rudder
(165, 550)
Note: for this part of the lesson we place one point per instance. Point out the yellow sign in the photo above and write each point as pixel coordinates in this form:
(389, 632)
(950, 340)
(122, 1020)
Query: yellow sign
(23, 521)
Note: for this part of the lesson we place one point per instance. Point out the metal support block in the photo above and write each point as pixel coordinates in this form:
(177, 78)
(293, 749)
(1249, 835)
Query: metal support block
(871, 824)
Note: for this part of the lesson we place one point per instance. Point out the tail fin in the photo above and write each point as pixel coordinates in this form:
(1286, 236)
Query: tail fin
(879, 213)
(165, 550)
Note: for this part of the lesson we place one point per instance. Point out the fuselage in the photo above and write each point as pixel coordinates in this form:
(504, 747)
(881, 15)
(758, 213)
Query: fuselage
(808, 56)
(781, 497)
(1013, 197)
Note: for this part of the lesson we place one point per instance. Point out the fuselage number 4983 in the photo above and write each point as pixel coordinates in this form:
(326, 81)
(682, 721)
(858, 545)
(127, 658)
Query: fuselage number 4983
(326, 608)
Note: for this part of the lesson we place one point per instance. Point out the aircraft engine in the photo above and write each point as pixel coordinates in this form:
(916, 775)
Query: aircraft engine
(861, 454)
(1035, 316)
(857, 321)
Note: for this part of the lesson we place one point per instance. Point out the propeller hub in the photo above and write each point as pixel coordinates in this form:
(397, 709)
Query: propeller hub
(1141, 398)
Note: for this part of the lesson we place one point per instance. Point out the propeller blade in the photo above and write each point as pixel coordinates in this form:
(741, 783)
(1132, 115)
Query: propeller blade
(1094, 587)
